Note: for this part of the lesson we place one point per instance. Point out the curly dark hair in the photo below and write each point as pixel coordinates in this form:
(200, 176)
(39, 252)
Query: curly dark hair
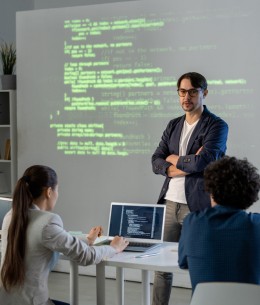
(232, 182)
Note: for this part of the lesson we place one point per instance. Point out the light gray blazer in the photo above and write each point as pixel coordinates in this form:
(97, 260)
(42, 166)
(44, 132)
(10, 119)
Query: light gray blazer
(45, 238)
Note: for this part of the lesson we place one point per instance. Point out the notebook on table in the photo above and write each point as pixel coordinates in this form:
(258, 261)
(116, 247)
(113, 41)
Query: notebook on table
(141, 224)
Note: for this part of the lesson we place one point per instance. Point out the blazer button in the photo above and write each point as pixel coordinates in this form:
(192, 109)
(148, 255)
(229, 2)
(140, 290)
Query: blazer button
(186, 160)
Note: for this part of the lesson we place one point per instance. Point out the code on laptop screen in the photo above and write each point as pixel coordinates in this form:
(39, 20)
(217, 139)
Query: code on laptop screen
(136, 221)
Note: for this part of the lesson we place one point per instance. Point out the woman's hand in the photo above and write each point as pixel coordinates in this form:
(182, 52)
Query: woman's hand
(119, 243)
(93, 234)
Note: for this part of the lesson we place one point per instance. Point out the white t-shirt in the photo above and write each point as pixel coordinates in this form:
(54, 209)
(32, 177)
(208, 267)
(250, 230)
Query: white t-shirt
(176, 190)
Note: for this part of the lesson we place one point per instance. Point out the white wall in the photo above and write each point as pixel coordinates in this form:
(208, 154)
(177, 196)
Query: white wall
(8, 9)
(89, 183)
(40, 4)
(7, 27)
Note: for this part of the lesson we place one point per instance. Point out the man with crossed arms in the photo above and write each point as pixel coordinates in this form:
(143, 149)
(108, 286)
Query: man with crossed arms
(188, 144)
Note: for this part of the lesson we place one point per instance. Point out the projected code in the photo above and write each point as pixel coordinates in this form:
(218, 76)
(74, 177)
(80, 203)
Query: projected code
(116, 81)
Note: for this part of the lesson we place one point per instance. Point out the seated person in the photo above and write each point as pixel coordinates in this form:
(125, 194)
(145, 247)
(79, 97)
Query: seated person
(222, 243)
(32, 236)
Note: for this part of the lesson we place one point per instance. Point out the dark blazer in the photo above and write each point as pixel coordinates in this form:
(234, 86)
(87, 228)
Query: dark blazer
(221, 244)
(211, 133)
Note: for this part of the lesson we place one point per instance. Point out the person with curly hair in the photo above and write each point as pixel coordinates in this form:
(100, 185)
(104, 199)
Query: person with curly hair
(222, 243)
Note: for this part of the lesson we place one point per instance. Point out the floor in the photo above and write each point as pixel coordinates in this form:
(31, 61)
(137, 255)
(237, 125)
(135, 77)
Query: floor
(59, 290)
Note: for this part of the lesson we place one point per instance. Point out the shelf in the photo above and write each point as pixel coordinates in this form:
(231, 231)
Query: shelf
(8, 142)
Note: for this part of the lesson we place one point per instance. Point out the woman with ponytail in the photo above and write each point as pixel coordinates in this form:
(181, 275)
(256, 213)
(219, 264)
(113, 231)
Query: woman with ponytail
(33, 236)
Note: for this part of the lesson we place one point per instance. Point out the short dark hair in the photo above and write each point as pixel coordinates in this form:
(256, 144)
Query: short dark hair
(197, 80)
(232, 182)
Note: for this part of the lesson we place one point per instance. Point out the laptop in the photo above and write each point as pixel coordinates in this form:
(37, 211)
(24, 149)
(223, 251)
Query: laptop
(141, 224)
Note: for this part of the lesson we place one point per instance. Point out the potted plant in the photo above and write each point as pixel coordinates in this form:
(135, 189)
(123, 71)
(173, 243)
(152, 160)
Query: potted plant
(8, 59)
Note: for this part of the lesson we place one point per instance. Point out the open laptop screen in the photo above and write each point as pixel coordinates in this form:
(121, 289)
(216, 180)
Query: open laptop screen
(137, 220)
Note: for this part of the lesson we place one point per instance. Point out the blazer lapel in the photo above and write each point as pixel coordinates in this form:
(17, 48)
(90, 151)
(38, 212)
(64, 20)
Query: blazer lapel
(177, 135)
(200, 126)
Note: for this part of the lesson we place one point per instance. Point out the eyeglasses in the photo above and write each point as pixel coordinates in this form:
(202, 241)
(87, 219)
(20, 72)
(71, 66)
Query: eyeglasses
(191, 92)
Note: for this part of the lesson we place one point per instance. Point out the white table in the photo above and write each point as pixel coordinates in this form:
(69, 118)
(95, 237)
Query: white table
(166, 260)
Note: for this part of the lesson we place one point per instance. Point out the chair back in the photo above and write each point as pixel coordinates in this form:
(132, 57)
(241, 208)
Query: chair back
(5, 206)
(226, 293)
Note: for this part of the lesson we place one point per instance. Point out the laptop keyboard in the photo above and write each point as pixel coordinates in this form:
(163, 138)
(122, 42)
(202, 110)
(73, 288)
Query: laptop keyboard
(141, 247)
(139, 244)
(134, 246)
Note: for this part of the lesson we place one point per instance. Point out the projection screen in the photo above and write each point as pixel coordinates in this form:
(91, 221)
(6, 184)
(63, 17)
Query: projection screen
(96, 87)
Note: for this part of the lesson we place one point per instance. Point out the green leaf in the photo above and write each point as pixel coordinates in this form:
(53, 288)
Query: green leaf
(8, 57)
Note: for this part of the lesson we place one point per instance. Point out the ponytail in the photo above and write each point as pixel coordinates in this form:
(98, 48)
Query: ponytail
(28, 188)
